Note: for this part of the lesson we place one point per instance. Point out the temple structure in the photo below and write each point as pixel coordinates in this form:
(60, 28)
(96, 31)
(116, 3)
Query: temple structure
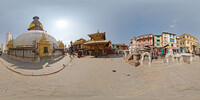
(98, 45)
(79, 44)
(35, 44)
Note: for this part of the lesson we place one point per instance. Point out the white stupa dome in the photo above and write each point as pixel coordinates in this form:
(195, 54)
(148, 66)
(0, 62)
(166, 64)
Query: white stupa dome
(28, 37)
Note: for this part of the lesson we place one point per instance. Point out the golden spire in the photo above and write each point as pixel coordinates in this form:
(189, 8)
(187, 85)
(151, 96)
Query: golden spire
(43, 38)
(35, 25)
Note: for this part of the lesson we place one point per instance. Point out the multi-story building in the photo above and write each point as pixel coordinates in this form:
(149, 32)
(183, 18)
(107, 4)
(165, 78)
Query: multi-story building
(144, 40)
(157, 40)
(120, 46)
(188, 42)
(178, 42)
(168, 38)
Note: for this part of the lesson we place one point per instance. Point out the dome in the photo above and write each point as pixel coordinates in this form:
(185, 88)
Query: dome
(28, 37)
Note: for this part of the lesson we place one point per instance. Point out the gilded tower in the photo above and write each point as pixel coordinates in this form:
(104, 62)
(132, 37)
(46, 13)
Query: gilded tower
(36, 25)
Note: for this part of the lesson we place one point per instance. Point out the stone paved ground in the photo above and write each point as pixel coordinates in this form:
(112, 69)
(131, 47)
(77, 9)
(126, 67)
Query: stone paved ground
(45, 67)
(93, 78)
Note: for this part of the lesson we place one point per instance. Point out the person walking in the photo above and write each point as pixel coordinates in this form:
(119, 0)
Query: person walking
(162, 52)
(155, 53)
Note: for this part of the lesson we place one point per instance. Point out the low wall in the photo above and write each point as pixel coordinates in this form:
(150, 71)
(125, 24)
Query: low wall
(34, 59)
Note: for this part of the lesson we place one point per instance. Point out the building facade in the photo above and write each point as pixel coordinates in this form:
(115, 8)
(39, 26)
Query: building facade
(119, 47)
(144, 40)
(157, 40)
(189, 43)
(168, 39)
(178, 42)
(186, 41)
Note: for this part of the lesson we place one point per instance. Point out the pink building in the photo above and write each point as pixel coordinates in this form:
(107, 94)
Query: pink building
(144, 40)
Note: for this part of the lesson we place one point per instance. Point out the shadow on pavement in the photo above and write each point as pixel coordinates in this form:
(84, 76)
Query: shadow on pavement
(29, 65)
(109, 56)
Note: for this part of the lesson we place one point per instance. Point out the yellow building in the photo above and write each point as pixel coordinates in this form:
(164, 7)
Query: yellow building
(178, 42)
(188, 42)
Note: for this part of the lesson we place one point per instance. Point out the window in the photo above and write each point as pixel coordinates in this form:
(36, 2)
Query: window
(171, 40)
(170, 35)
(165, 39)
(45, 49)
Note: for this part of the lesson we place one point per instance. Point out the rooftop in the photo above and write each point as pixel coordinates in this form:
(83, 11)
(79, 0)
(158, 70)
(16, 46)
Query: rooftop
(168, 33)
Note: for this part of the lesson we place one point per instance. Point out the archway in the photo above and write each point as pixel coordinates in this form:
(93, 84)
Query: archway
(169, 58)
(146, 58)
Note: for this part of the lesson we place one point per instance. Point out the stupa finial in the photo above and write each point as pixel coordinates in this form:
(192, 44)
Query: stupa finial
(35, 25)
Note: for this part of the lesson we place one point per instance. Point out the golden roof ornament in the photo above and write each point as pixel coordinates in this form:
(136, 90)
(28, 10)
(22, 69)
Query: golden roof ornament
(35, 24)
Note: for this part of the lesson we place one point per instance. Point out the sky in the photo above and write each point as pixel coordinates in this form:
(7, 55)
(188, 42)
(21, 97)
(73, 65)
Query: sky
(122, 20)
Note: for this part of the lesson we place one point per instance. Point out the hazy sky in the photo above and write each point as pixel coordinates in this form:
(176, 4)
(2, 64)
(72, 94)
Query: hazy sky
(120, 19)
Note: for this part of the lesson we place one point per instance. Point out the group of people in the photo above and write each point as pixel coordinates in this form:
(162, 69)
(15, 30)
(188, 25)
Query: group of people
(73, 52)
(156, 53)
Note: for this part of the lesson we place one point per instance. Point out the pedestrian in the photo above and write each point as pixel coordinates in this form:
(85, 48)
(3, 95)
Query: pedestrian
(162, 52)
(0, 52)
(155, 53)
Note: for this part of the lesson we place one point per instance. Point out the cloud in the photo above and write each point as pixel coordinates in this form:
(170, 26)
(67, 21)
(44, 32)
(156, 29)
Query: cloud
(172, 26)
(174, 23)
(176, 20)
